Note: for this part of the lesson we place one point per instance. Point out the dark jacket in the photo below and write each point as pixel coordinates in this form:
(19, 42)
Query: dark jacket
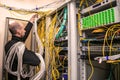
(29, 56)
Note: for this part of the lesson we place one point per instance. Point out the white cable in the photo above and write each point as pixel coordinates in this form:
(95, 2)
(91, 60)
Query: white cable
(42, 69)
(40, 53)
(113, 57)
(18, 48)
(40, 45)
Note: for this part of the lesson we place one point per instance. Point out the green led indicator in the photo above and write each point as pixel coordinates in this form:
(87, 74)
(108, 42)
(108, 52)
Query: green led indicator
(106, 13)
(104, 17)
(112, 15)
(84, 22)
(100, 18)
(94, 20)
(91, 21)
(87, 22)
(97, 19)
(109, 17)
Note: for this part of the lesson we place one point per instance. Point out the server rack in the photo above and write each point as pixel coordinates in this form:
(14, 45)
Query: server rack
(95, 22)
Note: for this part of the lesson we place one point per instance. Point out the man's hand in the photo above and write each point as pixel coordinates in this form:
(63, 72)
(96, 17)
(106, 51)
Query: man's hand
(32, 19)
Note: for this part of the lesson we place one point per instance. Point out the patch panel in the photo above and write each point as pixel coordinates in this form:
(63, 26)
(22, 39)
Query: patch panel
(105, 17)
(99, 48)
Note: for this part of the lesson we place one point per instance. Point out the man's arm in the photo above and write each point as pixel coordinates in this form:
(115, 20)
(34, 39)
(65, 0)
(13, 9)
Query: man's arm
(30, 58)
(29, 27)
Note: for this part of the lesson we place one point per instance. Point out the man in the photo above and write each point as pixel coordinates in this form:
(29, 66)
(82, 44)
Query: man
(20, 34)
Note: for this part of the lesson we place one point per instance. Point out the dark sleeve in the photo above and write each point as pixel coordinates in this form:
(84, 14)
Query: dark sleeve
(27, 29)
(30, 58)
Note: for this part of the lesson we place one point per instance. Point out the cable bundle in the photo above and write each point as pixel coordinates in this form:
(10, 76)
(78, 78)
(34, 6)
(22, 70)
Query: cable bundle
(18, 49)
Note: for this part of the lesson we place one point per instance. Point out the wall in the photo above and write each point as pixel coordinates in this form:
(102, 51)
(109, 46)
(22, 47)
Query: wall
(27, 4)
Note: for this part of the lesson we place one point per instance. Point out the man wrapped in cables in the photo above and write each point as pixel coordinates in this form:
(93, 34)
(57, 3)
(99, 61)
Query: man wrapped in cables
(20, 34)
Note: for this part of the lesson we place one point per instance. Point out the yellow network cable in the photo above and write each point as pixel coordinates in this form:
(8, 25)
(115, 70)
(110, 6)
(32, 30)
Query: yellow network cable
(65, 57)
(81, 2)
(53, 51)
(92, 68)
(50, 45)
(55, 73)
(109, 33)
(98, 30)
(56, 52)
(19, 13)
(79, 17)
(105, 40)
(91, 1)
(79, 27)
(98, 1)
(112, 40)
(41, 30)
(113, 61)
(86, 3)
(12, 13)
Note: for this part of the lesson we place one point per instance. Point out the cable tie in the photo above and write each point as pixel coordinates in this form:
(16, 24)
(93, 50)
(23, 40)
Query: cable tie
(107, 58)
